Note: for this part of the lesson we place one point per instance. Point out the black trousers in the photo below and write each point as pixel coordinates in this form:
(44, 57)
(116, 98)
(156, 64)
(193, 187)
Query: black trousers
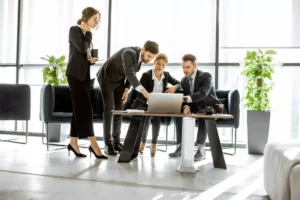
(201, 135)
(82, 118)
(112, 93)
(156, 121)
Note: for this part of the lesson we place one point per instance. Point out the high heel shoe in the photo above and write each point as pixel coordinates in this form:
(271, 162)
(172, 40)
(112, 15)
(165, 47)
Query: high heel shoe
(153, 150)
(92, 151)
(70, 148)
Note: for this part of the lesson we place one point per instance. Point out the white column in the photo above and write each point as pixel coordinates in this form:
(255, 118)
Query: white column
(187, 146)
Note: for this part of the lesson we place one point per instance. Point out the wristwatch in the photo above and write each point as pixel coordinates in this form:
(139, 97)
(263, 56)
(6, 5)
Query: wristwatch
(185, 99)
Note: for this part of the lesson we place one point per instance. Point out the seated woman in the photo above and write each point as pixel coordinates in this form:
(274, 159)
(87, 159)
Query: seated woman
(154, 80)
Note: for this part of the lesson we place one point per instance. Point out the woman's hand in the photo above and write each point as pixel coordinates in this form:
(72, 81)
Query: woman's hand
(171, 89)
(85, 27)
(125, 96)
(93, 60)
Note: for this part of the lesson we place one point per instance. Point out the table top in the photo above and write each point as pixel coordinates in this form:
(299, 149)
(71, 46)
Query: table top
(198, 115)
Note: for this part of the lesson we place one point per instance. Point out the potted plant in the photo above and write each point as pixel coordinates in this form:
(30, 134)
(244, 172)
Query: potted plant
(54, 72)
(258, 71)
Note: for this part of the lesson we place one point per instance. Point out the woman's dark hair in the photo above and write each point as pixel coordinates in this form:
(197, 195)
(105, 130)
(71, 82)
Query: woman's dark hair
(87, 13)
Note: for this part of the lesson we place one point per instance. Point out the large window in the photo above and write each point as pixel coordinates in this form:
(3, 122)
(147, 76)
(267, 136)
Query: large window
(179, 27)
(268, 24)
(8, 31)
(46, 27)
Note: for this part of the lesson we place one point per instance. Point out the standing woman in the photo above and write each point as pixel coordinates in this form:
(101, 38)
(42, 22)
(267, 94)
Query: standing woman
(78, 75)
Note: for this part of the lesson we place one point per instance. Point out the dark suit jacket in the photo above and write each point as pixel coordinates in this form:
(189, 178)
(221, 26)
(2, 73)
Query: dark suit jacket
(148, 83)
(78, 65)
(204, 93)
(120, 66)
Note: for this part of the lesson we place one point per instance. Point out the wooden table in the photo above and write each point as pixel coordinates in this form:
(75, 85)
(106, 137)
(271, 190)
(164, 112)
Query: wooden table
(132, 141)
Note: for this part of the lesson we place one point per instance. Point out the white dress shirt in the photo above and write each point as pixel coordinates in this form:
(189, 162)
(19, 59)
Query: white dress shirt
(158, 84)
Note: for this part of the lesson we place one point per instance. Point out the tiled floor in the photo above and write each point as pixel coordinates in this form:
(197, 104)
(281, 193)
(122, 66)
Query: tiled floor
(30, 172)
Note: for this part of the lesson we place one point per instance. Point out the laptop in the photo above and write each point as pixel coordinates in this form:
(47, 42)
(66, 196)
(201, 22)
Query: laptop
(165, 103)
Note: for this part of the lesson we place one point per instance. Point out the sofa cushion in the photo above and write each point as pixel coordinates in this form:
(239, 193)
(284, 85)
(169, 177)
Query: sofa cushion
(279, 159)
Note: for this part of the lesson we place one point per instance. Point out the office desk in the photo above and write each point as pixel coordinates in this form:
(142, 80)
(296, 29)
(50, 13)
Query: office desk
(132, 141)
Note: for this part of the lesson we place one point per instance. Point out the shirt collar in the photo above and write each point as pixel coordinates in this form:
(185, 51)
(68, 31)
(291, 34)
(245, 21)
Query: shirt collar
(194, 75)
(154, 77)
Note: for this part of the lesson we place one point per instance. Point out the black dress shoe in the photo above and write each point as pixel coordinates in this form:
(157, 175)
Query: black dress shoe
(110, 150)
(118, 146)
(200, 154)
(176, 153)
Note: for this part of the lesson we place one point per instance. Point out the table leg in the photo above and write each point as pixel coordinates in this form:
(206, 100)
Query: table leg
(187, 146)
(215, 145)
(132, 140)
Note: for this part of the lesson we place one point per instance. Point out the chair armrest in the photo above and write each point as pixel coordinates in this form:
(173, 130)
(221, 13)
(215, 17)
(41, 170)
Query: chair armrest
(234, 106)
(46, 103)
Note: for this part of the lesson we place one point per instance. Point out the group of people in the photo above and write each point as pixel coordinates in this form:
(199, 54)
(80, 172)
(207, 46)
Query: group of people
(116, 76)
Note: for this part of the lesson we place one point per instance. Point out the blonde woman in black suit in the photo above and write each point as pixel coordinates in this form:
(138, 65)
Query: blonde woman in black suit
(156, 81)
(78, 75)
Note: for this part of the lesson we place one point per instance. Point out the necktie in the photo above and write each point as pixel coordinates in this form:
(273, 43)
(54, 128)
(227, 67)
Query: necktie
(191, 84)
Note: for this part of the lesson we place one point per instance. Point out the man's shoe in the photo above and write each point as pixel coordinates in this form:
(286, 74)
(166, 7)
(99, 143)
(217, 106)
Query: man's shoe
(200, 154)
(110, 150)
(176, 153)
(118, 146)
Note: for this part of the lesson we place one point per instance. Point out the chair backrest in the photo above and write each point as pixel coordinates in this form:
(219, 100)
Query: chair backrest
(231, 101)
(62, 99)
(58, 99)
(14, 102)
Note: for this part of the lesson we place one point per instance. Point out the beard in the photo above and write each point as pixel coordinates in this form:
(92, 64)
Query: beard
(143, 59)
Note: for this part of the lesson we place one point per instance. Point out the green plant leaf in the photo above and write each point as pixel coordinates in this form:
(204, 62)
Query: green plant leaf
(54, 72)
(271, 52)
(258, 70)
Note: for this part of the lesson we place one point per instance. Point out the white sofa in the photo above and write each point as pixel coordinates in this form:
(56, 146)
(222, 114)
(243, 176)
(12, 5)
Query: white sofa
(282, 170)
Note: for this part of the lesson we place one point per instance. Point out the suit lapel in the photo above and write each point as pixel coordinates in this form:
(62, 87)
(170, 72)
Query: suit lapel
(151, 83)
(197, 80)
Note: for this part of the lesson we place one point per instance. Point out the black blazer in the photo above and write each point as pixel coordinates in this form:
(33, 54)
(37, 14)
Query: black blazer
(78, 64)
(148, 83)
(123, 64)
(204, 93)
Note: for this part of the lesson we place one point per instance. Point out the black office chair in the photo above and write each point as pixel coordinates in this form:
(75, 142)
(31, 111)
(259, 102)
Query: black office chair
(15, 105)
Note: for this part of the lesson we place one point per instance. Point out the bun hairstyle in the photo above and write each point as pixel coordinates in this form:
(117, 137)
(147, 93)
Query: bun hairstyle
(87, 13)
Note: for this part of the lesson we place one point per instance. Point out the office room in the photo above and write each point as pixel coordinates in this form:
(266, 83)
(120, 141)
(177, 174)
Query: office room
(160, 99)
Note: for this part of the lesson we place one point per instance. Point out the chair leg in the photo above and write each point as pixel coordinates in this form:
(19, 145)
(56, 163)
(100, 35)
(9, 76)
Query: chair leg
(166, 145)
(26, 133)
(47, 139)
(26, 136)
(234, 148)
(47, 136)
